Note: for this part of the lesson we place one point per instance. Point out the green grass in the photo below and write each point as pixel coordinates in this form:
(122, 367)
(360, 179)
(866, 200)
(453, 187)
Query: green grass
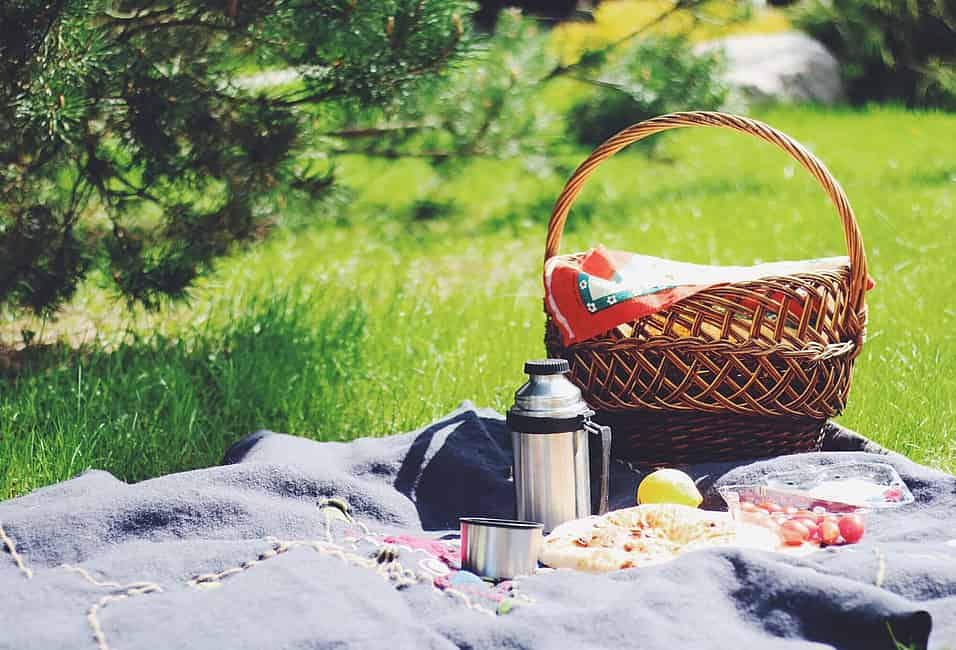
(377, 322)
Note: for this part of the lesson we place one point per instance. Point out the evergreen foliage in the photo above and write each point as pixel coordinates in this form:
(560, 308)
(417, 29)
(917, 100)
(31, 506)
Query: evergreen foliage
(652, 77)
(898, 50)
(488, 106)
(491, 105)
(137, 137)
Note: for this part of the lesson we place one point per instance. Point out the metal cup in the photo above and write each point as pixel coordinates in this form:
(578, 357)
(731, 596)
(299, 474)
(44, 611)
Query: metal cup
(499, 548)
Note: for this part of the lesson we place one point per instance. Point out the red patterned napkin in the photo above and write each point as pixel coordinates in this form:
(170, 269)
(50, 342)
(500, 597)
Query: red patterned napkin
(593, 293)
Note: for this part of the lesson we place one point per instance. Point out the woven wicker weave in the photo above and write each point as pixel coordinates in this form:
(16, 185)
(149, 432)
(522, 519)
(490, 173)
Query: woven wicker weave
(745, 369)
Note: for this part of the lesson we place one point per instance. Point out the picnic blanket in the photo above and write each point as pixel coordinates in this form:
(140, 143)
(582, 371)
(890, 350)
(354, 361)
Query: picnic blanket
(292, 543)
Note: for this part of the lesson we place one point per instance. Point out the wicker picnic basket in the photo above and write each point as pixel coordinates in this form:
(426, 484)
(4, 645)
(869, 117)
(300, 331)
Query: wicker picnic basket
(748, 369)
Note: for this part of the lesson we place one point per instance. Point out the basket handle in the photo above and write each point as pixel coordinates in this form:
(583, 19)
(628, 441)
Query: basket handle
(639, 131)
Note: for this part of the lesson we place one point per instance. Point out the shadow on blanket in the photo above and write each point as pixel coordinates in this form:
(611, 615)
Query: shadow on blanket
(463, 465)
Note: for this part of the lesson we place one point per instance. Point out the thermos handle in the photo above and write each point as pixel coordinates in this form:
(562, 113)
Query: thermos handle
(605, 435)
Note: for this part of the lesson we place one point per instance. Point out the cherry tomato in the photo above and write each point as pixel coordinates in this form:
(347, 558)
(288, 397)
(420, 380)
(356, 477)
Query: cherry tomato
(794, 533)
(771, 507)
(813, 531)
(809, 522)
(829, 531)
(758, 516)
(851, 528)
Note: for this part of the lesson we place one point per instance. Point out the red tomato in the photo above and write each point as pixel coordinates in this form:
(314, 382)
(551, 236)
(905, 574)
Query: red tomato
(851, 527)
(794, 533)
(809, 522)
(829, 531)
(811, 525)
(772, 526)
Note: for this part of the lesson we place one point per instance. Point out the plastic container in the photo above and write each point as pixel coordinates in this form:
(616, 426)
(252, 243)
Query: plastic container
(865, 485)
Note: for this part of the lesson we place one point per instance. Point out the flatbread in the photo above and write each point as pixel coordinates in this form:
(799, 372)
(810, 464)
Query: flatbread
(646, 535)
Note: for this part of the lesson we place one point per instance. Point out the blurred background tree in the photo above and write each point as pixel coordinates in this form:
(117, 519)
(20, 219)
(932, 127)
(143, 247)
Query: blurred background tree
(902, 50)
(133, 138)
(491, 105)
(651, 77)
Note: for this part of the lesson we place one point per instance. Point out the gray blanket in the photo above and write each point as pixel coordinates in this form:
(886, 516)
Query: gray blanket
(254, 554)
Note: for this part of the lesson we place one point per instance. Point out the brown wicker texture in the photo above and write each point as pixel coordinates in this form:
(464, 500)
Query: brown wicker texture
(685, 437)
(743, 369)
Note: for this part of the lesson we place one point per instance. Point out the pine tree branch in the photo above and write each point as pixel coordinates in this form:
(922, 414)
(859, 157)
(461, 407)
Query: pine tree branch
(410, 74)
(394, 154)
(600, 83)
(365, 132)
(444, 56)
(493, 112)
(28, 46)
(309, 99)
(70, 216)
(323, 8)
(56, 10)
(203, 89)
(97, 180)
(610, 47)
(140, 192)
(46, 155)
(117, 108)
(194, 21)
(138, 15)
(472, 149)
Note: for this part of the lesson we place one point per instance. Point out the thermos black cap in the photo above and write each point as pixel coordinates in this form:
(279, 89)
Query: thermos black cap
(547, 367)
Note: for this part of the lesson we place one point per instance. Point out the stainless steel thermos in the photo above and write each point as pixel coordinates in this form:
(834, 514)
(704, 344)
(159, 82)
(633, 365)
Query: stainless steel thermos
(550, 430)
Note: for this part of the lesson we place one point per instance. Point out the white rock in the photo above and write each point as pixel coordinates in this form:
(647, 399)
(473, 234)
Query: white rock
(785, 67)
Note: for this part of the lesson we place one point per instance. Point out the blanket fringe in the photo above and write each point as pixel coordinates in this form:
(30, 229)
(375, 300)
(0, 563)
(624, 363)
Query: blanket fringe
(12, 549)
